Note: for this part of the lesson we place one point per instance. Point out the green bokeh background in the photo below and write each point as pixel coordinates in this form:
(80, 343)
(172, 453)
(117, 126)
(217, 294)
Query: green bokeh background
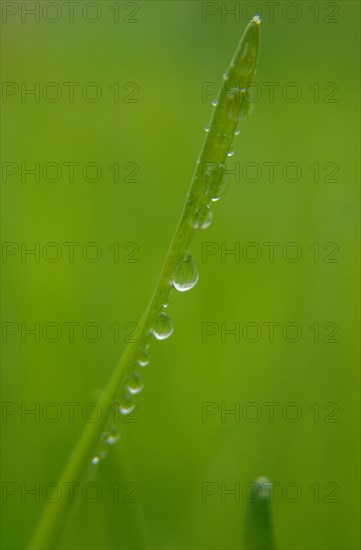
(170, 52)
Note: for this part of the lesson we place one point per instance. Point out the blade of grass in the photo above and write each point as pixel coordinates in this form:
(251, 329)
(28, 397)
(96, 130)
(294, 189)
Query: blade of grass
(258, 529)
(208, 185)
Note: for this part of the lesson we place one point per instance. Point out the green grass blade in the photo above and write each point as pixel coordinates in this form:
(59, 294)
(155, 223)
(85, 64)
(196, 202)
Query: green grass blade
(258, 529)
(208, 185)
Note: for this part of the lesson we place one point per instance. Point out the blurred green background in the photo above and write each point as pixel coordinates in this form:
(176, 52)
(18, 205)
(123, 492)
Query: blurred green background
(169, 50)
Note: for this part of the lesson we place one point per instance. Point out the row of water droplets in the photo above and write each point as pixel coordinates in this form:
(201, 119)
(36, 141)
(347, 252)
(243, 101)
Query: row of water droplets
(238, 108)
(184, 278)
(185, 274)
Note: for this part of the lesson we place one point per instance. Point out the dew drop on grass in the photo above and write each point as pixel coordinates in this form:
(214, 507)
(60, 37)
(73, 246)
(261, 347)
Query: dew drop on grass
(162, 327)
(214, 103)
(185, 274)
(219, 191)
(134, 384)
(98, 457)
(225, 76)
(256, 19)
(113, 436)
(202, 217)
(206, 129)
(143, 358)
(216, 181)
(127, 407)
(237, 132)
(230, 153)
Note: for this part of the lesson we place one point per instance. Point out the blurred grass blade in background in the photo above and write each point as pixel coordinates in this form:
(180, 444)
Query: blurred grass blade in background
(258, 527)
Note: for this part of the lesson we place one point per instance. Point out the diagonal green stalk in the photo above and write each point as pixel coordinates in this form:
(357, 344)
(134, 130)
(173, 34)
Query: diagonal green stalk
(208, 185)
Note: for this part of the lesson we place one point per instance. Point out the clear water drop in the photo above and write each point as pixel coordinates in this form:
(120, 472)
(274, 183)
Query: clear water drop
(113, 436)
(225, 76)
(98, 458)
(215, 178)
(127, 407)
(237, 132)
(230, 153)
(206, 129)
(202, 217)
(143, 358)
(214, 103)
(162, 327)
(256, 19)
(134, 384)
(220, 191)
(185, 275)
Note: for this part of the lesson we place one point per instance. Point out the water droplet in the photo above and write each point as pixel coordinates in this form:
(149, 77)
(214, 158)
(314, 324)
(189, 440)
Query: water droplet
(143, 358)
(202, 217)
(127, 407)
(230, 153)
(215, 178)
(256, 19)
(166, 303)
(134, 384)
(185, 275)
(98, 458)
(163, 327)
(214, 103)
(237, 132)
(225, 76)
(113, 436)
(220, 190)
(206, 129)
